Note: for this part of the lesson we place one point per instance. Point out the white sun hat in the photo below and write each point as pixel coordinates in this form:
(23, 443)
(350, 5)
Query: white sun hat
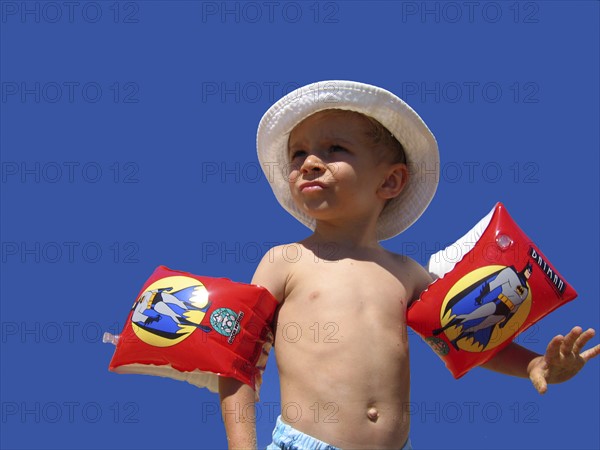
(393, 113)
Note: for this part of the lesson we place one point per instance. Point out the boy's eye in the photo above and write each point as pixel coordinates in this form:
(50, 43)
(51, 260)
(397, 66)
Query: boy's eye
(297, 154)
(337, 148)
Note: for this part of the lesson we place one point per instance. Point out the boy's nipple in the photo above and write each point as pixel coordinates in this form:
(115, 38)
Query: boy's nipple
(372, 414)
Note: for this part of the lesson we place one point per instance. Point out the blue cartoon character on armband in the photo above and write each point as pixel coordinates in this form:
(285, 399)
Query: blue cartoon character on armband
(492, 301)
(166, 314)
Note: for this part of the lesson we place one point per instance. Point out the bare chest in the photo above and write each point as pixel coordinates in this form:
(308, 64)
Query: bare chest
(346, 290)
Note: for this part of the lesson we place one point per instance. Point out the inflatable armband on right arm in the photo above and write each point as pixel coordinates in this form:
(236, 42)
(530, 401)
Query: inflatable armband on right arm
(196, 328)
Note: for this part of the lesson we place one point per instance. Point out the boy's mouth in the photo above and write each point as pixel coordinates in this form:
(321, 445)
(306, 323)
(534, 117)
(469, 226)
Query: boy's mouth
(312, 186)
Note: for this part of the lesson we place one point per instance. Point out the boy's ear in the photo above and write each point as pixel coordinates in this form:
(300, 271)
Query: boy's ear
(395, 179)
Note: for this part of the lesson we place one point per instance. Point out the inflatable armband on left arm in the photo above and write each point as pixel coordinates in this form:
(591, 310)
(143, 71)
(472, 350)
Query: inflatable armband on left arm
(196, 328)
(492, 285)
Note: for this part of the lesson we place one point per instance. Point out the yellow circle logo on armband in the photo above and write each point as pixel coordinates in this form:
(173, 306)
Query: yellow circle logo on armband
(485, 307)
(169, 310)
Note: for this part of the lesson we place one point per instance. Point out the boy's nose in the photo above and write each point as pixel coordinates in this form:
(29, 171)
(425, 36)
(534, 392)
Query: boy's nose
(312, 163)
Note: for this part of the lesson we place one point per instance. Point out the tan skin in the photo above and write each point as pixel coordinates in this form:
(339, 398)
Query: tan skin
(340, 334)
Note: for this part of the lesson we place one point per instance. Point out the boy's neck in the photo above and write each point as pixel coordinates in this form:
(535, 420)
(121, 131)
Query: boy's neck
(346, 236)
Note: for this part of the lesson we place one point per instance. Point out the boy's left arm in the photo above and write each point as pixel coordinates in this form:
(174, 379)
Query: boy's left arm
(562, 361)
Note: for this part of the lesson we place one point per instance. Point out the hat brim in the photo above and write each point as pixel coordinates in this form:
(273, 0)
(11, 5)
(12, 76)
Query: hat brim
(393, 113)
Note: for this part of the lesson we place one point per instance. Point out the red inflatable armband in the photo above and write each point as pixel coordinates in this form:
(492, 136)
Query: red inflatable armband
(194, 328)
(494, 284)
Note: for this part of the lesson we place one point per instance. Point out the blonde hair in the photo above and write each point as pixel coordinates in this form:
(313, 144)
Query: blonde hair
(382, 136)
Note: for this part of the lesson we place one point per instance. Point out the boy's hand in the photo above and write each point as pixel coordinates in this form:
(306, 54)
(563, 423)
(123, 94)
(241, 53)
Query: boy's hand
(563, 359)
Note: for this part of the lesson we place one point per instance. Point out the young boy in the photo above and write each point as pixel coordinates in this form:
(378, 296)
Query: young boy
(357, 165)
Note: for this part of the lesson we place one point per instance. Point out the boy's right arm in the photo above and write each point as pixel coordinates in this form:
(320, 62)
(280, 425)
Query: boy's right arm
(237, 409)
(272, 271)
(237, 398)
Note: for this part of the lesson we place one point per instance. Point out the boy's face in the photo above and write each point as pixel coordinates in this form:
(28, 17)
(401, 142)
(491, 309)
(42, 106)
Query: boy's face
(337, 170)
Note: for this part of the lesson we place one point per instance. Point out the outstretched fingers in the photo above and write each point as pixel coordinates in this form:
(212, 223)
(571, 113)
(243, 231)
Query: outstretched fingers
(568, 345)
(553, 349)
(563, 359)
(583, 339)
(591, 353)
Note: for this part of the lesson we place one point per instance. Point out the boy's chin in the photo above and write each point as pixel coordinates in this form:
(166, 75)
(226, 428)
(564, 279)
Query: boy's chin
(315, 209)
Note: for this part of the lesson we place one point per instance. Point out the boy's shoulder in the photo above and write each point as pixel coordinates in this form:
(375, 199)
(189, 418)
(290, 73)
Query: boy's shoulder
(273, 270)
(284, 254)
(408, 267)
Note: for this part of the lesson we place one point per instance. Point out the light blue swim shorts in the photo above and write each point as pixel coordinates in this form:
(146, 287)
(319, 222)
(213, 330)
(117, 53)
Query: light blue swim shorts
(286, 437)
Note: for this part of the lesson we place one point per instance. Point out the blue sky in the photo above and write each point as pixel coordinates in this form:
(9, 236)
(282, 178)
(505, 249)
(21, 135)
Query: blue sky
(128, 141)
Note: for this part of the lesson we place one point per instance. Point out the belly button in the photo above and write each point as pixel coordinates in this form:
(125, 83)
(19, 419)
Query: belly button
(372, 414)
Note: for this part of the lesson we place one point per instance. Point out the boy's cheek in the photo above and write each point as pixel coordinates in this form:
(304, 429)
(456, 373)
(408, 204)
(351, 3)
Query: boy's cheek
(292, 177)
